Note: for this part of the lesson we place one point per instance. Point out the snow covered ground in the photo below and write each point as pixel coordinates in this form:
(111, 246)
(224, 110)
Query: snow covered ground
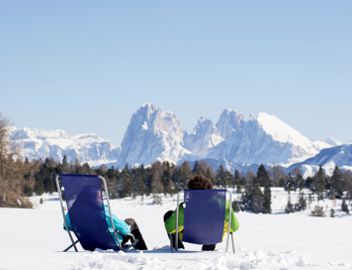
(34, 239)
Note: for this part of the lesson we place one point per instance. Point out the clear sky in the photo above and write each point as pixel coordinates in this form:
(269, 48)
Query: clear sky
(87, 66)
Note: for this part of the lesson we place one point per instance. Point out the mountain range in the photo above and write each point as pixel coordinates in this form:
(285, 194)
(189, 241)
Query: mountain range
(236, 140)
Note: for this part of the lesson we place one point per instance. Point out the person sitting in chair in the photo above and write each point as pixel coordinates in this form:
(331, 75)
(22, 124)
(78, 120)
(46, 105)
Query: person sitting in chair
(197, 182)
(89, 202)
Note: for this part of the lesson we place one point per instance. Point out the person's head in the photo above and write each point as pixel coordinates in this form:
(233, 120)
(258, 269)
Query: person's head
(199, 182)
(90, 197)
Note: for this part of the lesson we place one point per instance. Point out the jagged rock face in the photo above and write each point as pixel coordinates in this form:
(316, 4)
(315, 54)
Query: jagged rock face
(229, 122)
(152, 135)
(204, 137)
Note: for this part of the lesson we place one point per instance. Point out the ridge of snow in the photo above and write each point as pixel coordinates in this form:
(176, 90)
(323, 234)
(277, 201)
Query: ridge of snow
(328, 158)
(281, 131)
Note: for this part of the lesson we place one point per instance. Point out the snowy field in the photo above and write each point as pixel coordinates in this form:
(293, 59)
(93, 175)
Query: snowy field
(34, 239)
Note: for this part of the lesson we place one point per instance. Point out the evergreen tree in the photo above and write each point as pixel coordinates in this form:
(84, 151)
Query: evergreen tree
(253, 199)
(344, 207)
(319, 183)
(262, 175)
(237, 180)
(196, 168)
(39, 188)
(220, 178)
(112, 176)
(65, 166)
(302, 203)
(267, 199)
(299, 181)
(289, 207)
(182, 174)
(46, 177)
(203, 169)
(336, 184)
(125, 183)
(156, 178)
(166, 178)
(140, 182)
(290, 184)
(263, 178)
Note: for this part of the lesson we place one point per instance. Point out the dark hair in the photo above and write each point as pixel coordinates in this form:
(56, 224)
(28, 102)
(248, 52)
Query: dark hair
(90, 197)
(199, 182)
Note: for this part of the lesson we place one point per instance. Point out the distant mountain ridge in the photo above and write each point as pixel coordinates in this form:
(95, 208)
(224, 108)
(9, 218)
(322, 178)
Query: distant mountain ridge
(235, 141)
(340, 156)
(41, 144)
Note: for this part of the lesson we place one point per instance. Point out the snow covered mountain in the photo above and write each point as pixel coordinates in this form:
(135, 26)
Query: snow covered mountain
(152, 135)
(41, 144)
(229, 122)
(263, 138)
(236, 141)
(204, 137)
(332, 141)
(328, 158)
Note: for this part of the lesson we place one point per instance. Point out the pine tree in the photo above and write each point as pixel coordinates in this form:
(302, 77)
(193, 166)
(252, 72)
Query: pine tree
(253, 199)
(267, 199)
(336, 184)
(263, 178)
(137, 178)
(181, 175)
(262, 175)
(290, 184)
(196, 168)
(344, 207)
(289, 207)
(299, 181)
(319, 183)
(125, 183)
(237, 180)
(112, 176)
(220, 177)
(156, 178)
(166, 178)
(302, 202)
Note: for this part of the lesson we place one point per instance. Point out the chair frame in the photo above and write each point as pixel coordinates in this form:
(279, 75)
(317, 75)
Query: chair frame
(228, 229)
(73, 243)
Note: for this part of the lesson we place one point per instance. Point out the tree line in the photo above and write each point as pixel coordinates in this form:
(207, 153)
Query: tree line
(22, 178)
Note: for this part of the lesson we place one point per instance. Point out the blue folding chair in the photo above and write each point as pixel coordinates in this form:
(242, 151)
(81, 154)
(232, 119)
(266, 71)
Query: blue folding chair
(204, 217)
(86, 210)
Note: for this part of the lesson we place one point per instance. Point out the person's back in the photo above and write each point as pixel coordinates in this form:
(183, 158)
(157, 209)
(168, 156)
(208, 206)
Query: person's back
(197, 182)
(90, 208)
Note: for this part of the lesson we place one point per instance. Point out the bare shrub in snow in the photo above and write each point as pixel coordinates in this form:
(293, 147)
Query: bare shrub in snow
(318, 211)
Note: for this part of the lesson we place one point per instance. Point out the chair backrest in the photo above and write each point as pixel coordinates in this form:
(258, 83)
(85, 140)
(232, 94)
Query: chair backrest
(86, 210)
(204, 216)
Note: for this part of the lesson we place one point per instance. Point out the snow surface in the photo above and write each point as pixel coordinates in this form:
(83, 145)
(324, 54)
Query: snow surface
(34, 239)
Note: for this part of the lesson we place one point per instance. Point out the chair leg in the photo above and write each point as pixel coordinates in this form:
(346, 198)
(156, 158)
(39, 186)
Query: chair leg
(233, 244)
(171, 245)
(73, 242)
(72, 245)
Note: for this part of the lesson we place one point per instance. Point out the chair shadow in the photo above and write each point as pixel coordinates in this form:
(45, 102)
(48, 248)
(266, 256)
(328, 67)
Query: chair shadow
(166, 249)
(161, 250)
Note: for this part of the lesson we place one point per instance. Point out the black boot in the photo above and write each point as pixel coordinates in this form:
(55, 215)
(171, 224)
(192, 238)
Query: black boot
(208, 247)
(173, 241)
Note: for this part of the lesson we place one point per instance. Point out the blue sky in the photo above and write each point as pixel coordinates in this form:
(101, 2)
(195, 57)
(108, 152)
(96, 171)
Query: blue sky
(86, 66)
